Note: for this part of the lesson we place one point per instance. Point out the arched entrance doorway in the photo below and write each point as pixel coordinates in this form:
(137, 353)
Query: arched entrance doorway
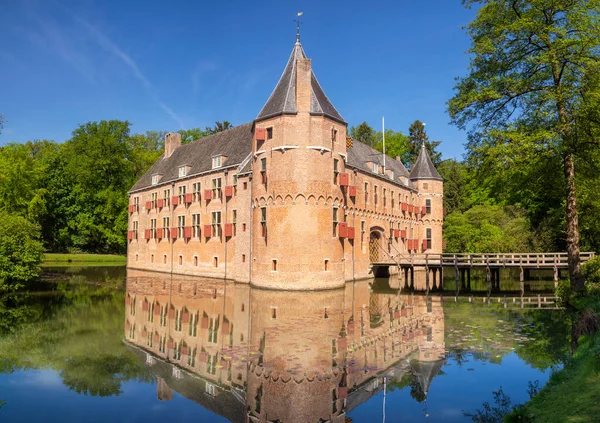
(374, 246)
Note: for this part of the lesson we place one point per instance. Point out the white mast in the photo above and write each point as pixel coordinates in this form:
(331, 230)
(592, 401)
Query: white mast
(383, 132)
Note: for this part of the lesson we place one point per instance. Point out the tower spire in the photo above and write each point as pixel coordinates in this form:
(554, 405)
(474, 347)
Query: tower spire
(297, 20)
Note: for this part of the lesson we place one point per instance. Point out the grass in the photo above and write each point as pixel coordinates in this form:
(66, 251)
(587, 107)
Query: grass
(54, 258)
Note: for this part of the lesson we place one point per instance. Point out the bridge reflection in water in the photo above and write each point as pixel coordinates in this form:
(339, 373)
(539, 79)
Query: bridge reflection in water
(257, 355)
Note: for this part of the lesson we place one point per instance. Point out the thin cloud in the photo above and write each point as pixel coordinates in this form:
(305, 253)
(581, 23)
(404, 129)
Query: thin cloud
(114, 49)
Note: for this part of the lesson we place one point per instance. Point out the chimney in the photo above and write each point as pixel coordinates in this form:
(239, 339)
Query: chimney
(172, 141)
(397, 158)
(303, 84)
(163, 392)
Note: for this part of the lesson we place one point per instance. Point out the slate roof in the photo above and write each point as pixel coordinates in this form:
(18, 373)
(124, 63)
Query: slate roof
(423, 167)
(283, 97)
(360, 154)
(234, 143)
(426, 371)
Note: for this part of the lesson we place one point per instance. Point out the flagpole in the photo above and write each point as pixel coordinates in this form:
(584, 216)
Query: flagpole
(383, 131)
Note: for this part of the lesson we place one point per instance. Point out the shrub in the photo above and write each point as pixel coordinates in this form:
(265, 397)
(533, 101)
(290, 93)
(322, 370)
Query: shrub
(563, 292)
(20, 251)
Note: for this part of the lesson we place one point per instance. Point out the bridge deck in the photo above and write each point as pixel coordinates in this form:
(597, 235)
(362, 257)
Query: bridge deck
(516, 260)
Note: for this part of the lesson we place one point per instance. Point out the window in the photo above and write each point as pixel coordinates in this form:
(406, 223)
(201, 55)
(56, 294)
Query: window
(392, 199)
(196, 191)
(428, 205)
(392, 175)
(167, 197)
(243, 258)
(263, 164)
(136, 202)
(196, 225)
(151, 313)
(366, 192)
(335, 171)
(182, 171)
(164, 259)
(384, 197)
(180, 226)
(333, 134)
(326, 265)
(375, 167)
(270, 133)
(163, 316)
(181, 194)
(216, 264)
(234, 220)
(135, 229)
(165, 227)
(243, 227)
(216, 162)
(216, 187)
(274, 264)
(428, 237)
(273, 312)
(263, 220)
(193, 324)
(213, 330)
(335, 219)
(245, 186)
(362, 226)
(178, 320)
(216, 223)
(155, 179)
(154, 199)
(180, 259)
(375, 193)
(152, 228)
(235, 180)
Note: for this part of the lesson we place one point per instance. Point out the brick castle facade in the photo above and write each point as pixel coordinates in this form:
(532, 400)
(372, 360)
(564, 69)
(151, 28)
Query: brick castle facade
(287, 201)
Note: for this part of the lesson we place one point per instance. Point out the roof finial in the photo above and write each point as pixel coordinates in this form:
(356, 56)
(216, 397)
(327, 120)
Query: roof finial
(297, 20)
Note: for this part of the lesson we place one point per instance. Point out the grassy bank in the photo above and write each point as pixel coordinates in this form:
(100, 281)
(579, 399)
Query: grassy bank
(60, 259)
(572, 395)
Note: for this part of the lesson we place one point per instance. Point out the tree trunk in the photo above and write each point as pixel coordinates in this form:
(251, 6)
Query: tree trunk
(577, 282)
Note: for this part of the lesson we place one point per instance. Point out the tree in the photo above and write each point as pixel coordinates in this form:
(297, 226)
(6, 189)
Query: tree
(396, 144)
(533, 87)
(363, 133)
(193, 134)
(418, 136)
(219, 127)
(456, 185)
(20, 251)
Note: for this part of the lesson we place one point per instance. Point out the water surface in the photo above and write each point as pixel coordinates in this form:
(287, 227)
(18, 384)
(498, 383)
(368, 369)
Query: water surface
(89, 344)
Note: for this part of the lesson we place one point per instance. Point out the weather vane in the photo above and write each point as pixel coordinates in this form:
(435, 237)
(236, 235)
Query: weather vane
(297, 20)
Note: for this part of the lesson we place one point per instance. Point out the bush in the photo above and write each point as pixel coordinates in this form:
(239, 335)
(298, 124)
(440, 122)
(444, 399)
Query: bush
(20, 251)
(563, 292)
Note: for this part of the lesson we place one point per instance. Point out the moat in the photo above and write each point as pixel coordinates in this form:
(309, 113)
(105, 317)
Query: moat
(101, 344)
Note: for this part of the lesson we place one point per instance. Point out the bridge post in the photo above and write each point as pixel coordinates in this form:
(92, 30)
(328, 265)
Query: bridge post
(488, 277)
(435, 282)
(412, 277)
(456, 275)
(406, 286)
(469, 278)
(522, 281)
(555, 276)
(426, 277)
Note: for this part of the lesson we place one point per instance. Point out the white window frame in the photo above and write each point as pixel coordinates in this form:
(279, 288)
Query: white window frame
(217, 162)
(182, 171)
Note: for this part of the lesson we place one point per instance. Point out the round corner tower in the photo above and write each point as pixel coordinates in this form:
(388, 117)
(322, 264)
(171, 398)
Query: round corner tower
(431, 193)
(298, 154)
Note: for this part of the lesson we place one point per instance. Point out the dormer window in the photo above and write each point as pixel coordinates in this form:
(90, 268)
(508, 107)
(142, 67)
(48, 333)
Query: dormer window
(182, 171)
(375, 168)
(217, 162)
(156, 179)
(392, 175)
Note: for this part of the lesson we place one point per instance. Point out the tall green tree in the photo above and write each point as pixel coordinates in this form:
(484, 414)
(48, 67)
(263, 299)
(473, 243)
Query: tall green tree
(192, 134)
(363, 133)
(396, 144)
(219, 127)
(417, 136)
(533, 87)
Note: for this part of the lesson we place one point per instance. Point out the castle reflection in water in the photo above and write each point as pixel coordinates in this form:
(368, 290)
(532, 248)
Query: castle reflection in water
(254, 355)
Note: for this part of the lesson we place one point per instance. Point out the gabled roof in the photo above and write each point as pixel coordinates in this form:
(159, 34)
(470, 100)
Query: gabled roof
(283, 98)
(234, 143)
(360, 154)
(423, 167)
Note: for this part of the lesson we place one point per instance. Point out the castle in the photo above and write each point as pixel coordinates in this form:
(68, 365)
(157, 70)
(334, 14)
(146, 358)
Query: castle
(287, 201)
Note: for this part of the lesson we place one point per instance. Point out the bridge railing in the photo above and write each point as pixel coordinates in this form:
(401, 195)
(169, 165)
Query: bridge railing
(481, 260)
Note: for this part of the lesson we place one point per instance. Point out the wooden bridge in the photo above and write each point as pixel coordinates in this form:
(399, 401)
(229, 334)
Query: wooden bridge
(463, 263)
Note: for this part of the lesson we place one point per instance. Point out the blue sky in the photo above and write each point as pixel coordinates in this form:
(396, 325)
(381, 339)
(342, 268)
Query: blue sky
(165, 65)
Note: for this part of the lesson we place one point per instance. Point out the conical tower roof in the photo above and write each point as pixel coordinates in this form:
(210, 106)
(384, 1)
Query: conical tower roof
(283, 98)
(426, 371)
(423, 167)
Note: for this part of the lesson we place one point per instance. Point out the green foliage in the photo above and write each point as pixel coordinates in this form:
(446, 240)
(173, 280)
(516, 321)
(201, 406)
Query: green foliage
(396, 144)
(219, 127)
(486, 229)
(363, 133)
(457, 178)
(417, 136)
(563, 292)
(192, 134)
(20, 251)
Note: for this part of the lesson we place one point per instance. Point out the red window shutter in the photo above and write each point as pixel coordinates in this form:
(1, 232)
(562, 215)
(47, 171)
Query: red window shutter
(129, 235)
(184, 350)
(404, 207)
(203, 356)
(130, 209)
(229, 191)
(344, 179)
(352, 190)
(207, 194)
(159, 233)
(185, 317)
(342, 344)
(189, 198)
(260, 133)
(161, 203)
(187, 232)
(207, 231)
(424, 244)
(148, 205)
(173, 233)
(403, 234)
(396, 233)
(404, 312)
(350, 232)
(411, 208)
(204, 322)
(174, 200)
(156, 309)
(171, 313)
(228, 229)
(170, 344)
(225, 327)
(342, 229)
(424, 210)
(147, 233)
(264, 177)
(342, 392)
(145, 305)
